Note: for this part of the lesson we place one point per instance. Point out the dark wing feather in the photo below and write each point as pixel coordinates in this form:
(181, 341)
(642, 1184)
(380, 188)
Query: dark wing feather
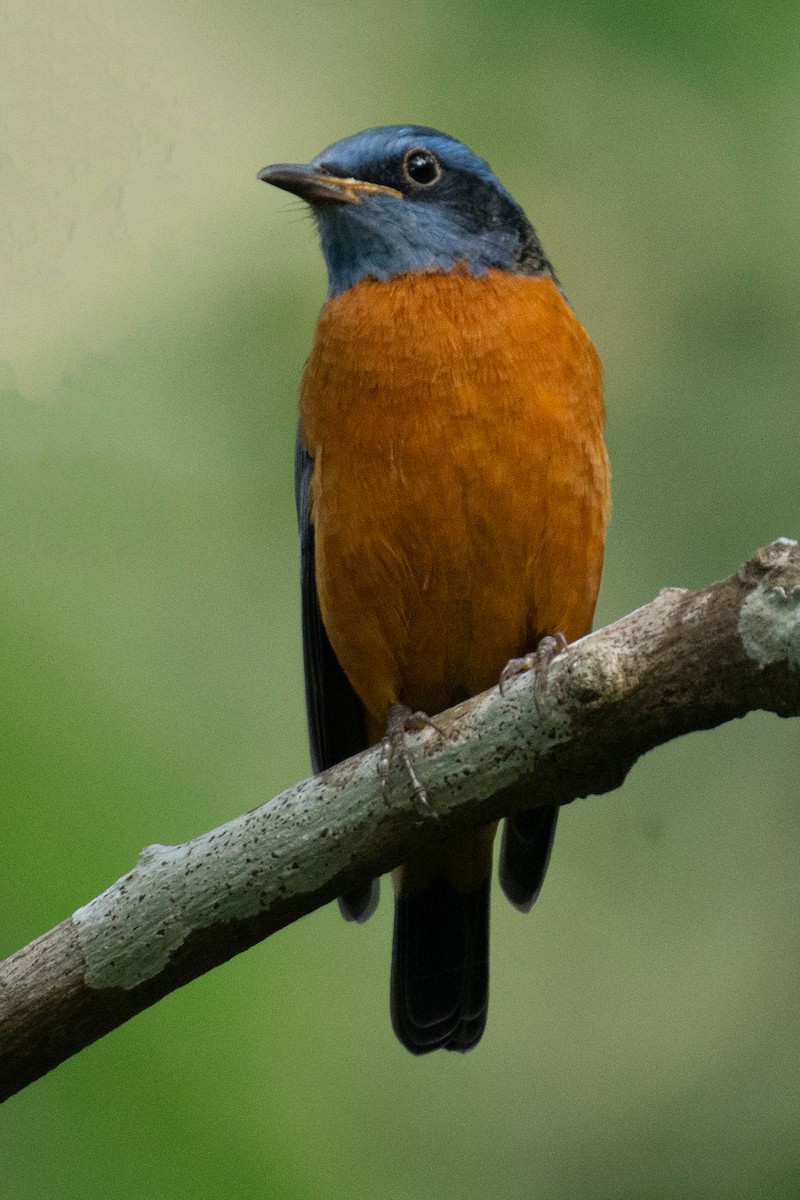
(336, 725)
(524, 855)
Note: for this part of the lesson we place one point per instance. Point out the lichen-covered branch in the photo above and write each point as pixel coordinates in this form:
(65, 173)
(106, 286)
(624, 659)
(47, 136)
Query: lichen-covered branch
(686, 661)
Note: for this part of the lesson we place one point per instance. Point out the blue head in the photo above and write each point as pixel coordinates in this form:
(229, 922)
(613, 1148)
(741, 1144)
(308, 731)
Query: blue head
(402, 198)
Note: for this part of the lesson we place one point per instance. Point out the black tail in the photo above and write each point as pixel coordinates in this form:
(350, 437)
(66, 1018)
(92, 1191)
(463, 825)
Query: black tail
(525, 853)
(440, 967)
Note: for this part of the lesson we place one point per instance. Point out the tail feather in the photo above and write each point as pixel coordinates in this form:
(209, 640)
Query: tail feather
(440, 967)
(524, 854)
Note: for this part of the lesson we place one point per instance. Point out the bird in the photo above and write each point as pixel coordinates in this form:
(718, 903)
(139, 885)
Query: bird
(452, 493)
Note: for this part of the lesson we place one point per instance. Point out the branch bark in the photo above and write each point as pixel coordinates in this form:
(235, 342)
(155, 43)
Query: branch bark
(687, 661)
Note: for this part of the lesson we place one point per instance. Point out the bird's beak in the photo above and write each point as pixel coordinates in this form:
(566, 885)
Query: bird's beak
(313, 186)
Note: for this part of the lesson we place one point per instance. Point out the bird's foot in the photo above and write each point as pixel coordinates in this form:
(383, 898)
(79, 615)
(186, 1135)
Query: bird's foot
(401, 721)
(539, 661)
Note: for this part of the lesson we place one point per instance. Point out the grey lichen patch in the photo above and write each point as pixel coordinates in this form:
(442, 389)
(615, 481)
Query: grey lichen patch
(128, 933)
(769, 625)
(537, 727)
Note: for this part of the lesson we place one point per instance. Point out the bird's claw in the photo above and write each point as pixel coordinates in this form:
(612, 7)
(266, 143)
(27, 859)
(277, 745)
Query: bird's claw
(539, 660)
(403, 720)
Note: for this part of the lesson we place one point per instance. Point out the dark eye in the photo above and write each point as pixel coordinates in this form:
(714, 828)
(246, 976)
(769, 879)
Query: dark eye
(422, 167)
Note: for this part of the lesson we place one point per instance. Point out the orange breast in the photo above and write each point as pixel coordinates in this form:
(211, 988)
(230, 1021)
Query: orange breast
(460, 490)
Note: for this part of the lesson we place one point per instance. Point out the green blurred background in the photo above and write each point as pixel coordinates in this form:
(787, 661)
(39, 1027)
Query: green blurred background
(156, 306)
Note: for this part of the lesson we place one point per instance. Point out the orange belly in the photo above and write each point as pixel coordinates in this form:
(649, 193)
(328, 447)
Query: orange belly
(460, 488)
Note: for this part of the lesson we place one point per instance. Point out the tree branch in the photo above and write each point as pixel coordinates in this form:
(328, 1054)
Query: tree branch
(686, 661)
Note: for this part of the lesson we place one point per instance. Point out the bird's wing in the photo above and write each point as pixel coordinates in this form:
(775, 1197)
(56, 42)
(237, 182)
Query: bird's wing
(336, 725)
